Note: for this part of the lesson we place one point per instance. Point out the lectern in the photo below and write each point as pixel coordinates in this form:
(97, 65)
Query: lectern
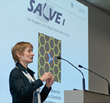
(84, 96)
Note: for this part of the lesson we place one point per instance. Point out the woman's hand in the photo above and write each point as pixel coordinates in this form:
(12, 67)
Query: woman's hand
(46, 75)
(50, 81)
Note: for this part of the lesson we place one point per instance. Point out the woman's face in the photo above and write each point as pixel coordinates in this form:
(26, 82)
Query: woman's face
(27, 56)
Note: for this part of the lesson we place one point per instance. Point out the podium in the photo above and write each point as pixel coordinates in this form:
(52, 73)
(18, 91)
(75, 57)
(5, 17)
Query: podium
(84, 96)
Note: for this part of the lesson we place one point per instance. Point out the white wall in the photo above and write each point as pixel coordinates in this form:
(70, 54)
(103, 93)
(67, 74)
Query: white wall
(99, 48)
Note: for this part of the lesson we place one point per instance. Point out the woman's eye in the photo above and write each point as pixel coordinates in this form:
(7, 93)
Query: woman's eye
(29, 51)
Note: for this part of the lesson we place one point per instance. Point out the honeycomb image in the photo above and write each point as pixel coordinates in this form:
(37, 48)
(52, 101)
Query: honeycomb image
(48, 50)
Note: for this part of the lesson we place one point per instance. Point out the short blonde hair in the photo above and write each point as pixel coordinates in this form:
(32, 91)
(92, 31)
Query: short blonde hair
(19, 48)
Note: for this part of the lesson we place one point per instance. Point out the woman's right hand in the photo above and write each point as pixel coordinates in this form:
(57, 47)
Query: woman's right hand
(45, 76)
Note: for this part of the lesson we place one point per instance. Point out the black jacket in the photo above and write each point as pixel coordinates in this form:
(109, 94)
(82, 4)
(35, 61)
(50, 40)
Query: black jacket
(20, 87)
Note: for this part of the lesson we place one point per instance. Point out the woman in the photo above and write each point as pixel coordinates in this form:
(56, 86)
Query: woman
(24, 87)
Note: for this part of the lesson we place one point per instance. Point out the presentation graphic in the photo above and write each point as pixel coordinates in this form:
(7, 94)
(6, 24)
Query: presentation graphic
(48, 50)
(54, 28)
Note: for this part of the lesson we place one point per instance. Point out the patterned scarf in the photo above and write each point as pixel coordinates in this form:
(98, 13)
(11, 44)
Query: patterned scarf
(36, 94)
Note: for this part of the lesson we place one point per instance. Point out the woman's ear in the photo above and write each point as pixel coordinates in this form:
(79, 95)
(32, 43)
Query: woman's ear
(18, 55)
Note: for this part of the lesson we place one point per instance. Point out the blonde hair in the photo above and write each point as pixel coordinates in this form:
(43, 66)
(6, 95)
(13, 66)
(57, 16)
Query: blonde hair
(19, 48)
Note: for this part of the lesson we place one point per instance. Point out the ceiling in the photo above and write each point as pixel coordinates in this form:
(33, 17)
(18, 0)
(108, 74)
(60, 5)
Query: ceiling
(102, 4)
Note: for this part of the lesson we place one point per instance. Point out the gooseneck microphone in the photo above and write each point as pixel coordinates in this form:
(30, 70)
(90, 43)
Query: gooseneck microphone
(97, 75)
(83, 80)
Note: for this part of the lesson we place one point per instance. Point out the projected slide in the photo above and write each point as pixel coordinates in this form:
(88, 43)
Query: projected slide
(54, 28)
(48, 50)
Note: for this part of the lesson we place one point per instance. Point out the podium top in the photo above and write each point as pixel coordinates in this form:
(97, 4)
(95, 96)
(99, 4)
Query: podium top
(85, 96)
(89, 92)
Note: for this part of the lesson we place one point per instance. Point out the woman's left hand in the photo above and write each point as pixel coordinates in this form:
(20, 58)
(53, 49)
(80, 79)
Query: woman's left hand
(50, 81)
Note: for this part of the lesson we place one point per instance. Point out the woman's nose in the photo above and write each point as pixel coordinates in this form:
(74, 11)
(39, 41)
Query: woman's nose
(32, 53)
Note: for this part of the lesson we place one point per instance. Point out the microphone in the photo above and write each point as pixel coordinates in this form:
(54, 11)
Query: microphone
(83, 80)
(97, 75)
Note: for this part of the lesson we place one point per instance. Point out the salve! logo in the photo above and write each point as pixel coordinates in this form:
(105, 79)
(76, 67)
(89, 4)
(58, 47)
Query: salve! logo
(46, 13)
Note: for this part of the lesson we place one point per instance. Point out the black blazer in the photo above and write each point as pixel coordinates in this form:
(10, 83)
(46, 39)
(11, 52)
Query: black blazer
(20, 87)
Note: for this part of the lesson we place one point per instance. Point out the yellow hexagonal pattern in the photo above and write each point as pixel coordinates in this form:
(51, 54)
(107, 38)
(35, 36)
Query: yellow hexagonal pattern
(48, 50)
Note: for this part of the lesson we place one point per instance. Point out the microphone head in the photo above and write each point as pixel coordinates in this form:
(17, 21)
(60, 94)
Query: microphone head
(80, 66)
(58, 57)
